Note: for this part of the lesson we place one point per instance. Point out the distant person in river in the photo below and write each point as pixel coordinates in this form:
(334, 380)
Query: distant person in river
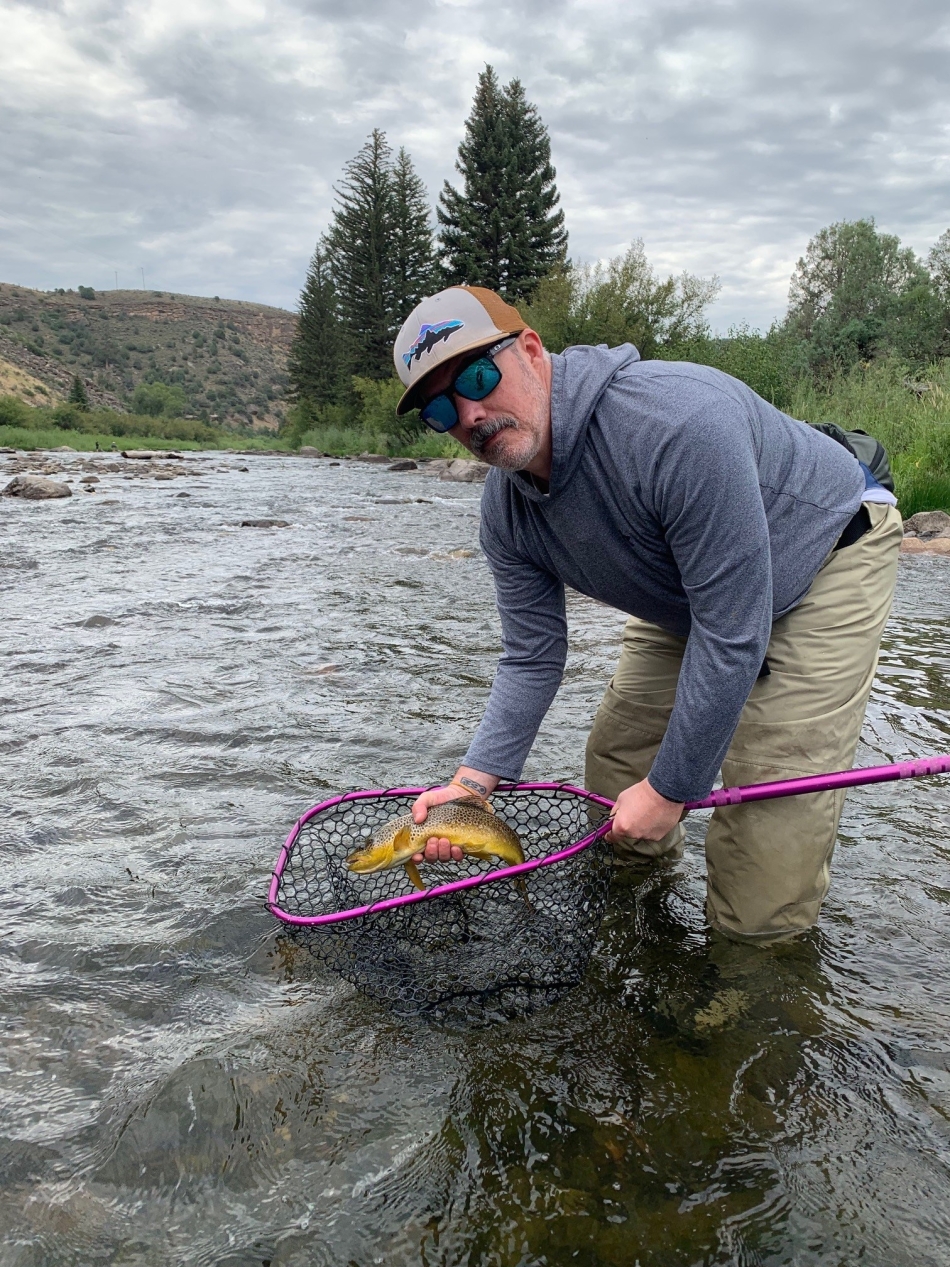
(755, 557)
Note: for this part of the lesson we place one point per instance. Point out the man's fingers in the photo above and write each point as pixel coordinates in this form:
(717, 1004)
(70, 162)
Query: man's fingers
(435, 796)
(439, 849)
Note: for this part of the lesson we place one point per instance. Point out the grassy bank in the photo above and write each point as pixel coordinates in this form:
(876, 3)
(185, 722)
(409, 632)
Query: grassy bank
(910, 415)
(350, 441)
(30, 438)
(914, 426)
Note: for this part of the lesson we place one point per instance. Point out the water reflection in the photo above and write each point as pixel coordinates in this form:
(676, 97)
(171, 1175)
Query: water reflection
(181, 1085)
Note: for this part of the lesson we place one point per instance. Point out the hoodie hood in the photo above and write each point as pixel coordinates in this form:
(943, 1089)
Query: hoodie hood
(579, 377)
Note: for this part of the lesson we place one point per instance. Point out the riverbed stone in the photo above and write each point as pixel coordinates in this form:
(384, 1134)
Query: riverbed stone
(378, 459)
(36, 488)
(463, 471)
(403, 464)
(308, 451)
(917, 545)
(928, 524)
(151, 455)
(264, 523)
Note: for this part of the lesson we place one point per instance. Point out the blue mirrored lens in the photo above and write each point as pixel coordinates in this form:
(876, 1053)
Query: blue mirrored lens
(440, 413)
(478, 379)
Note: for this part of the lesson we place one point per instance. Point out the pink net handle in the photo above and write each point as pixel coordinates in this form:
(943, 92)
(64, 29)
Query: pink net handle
(823, 782)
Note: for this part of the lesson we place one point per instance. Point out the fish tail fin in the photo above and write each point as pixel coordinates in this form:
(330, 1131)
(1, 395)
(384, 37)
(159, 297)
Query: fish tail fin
(523, 890)
(412, 871)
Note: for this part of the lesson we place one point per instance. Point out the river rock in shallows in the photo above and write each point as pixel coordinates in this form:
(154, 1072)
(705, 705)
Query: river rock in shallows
(36, 488)
(917, 545)
(264, 523)
(928, 524)
(403, 464)
(465, 472)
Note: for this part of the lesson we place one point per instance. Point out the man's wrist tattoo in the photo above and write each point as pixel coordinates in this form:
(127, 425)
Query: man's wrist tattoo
(478, 788)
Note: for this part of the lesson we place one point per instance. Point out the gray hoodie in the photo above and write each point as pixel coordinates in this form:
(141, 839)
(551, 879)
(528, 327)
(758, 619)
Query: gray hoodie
(677, 495)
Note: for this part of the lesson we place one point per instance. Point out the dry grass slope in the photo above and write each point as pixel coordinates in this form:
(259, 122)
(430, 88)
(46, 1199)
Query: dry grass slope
(229, 357)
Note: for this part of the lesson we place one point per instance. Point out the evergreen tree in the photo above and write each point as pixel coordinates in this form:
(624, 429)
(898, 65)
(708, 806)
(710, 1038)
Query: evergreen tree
(536, 235)
(77, 394)
(504, 229)
(314, 361)
(412, 256)
(360, 259)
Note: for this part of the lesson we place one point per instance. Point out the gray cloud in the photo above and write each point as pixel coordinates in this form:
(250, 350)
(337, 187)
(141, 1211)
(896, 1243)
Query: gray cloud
(201, 141)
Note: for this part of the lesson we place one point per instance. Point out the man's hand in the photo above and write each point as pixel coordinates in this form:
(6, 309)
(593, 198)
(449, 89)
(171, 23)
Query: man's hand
(641, 813)
(466, 783)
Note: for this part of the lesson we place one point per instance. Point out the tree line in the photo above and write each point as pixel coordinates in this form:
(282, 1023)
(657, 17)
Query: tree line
(857, 295)
(381, 254)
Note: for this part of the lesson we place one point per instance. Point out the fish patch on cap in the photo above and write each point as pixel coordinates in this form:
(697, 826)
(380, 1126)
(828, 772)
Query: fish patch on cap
(429, 336)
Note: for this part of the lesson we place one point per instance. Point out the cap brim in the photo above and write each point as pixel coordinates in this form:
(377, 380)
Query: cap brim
(410, 397)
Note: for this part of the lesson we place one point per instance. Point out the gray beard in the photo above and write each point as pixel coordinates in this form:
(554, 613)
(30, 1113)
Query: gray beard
(484, 433)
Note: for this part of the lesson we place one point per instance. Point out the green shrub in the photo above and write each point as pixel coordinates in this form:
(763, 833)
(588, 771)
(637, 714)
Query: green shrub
(13, 412)
(763, 361)
(377, 410)
(158, 400)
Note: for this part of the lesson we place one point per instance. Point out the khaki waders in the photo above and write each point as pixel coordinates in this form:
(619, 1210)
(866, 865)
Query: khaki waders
(768, 863)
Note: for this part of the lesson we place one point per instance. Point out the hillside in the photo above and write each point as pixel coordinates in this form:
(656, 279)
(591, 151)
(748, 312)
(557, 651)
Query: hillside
(229, 357)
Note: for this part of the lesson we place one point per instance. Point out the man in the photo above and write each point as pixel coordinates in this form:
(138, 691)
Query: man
(755, 557)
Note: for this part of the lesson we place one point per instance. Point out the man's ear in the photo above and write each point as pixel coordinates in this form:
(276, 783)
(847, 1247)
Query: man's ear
(531, 346)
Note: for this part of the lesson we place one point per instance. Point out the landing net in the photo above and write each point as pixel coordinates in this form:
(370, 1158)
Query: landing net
(509, 945)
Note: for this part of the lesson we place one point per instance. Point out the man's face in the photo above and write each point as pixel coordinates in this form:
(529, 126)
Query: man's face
(509, 427)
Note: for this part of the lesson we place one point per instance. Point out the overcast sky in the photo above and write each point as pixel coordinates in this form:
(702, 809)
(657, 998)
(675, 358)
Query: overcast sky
(200, 139)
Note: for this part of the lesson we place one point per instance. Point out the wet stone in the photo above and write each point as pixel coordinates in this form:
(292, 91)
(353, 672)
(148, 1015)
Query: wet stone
(36, 488)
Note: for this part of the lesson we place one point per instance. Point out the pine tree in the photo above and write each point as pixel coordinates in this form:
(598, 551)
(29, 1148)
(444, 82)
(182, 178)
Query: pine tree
(314, 361)
(412, 256)
(77, 394)
(537, 240)
(504, 229)
(360, 259)
(471, 234)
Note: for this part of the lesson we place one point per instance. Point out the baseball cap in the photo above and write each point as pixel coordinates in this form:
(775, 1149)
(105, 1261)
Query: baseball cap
(459, 319)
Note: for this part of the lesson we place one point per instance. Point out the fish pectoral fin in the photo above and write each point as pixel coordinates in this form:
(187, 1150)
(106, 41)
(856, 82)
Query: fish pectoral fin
(412, 871)
(402, 838)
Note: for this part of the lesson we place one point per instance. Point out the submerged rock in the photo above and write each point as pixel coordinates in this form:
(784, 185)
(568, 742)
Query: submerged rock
(36, 488)
(264, 523)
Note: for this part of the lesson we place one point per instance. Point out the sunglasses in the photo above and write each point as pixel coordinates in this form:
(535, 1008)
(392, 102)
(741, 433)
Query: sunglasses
(473, 382)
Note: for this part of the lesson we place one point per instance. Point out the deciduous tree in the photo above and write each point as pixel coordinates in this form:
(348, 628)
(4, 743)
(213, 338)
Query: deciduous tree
(857, 293)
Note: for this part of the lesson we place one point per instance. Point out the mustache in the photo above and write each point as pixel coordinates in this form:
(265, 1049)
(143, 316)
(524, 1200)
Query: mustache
(479, 437)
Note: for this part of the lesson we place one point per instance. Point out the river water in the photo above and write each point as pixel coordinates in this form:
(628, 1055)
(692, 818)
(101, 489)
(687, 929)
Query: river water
(177, 1086)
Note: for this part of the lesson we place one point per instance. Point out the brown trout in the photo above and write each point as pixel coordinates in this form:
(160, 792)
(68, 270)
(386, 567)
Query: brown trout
(468, 823)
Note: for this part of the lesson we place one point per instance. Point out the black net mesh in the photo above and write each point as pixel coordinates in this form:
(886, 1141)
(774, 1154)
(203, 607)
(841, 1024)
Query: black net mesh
(506, 947)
